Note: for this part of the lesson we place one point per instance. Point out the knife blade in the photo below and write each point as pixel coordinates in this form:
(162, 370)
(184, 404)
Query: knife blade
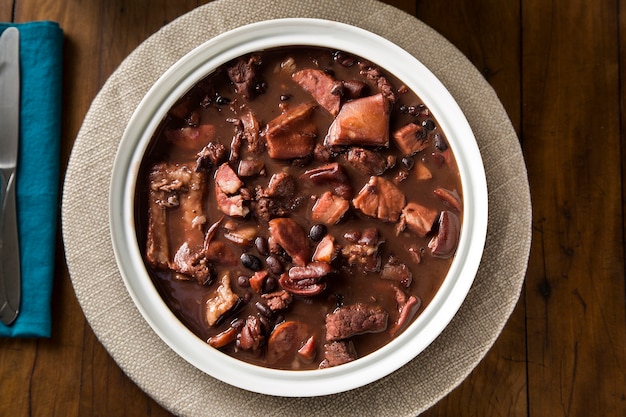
(10, 278)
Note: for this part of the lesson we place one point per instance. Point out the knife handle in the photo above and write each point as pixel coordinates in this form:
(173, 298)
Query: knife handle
(9, 251)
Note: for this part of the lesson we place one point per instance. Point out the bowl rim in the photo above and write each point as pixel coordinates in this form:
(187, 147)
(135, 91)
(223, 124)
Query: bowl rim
(185, 73)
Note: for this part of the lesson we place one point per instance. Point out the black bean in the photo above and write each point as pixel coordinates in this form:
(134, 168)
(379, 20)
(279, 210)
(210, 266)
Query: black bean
(428, 124)
(222, 101)
(274, 265)
(317, 232)
(247, 296)
(285, 97)
(243, 281)
(408, 162)
(270, 284)
(261, 245)
(440, 142)
(250, 261)
(265, 323)
(260, 88)
(263, 309)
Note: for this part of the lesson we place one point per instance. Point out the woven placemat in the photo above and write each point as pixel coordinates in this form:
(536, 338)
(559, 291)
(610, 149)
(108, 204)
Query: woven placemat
(180, 387)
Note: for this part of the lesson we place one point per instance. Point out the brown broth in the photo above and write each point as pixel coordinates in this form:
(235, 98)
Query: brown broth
(187, 298)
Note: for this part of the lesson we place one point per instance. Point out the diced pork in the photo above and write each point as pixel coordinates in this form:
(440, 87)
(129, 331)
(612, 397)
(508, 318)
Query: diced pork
(394, 270)
(411, 139)
(243, 75)
(292, 134)
(348, 321)
(362, 122)
(338, 353)
(329, 208)
(368, 162)
(419, 219)
(381, 199)
(222, 301)
(323, 87)
(227, 191)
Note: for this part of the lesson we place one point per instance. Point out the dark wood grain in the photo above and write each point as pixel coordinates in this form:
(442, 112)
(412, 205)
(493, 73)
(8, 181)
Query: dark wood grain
(575, 288)
(558, 67)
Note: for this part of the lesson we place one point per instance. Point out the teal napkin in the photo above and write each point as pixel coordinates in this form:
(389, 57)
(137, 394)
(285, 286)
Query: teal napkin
(41, 58)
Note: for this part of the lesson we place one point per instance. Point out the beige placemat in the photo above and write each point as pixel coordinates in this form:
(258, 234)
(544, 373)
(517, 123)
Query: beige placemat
(184, 390)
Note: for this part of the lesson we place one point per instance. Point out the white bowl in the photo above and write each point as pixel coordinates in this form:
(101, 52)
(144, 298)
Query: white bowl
(186, 73)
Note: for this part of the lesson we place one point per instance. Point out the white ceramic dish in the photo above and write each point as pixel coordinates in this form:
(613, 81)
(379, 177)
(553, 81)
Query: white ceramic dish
(178, 80)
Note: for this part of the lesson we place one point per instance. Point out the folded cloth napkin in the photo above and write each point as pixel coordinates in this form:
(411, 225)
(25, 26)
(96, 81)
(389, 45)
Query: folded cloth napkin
(41, 50)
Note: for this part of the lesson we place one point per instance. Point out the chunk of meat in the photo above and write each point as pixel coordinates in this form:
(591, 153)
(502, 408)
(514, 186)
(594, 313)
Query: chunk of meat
(348, 321)
(292, 134)
(383, 85)
(419, 219)
(322, 86)
(326, 250)
(363, 251)
(331, 175)
(408, 306)
(381, 199)
(266, 208)
(286, 339)
(257, 281)
(394, 270)
(242, 235)
(321, 153)
(192, 263)
(353, 89)
(177, 186)
(278, 300)
(162, 194)
(192, 138)
(451, 198)
(364, 122)
(308, 351)
(444, 244)
(222, 301)
(329, 208)
(223, 338)
(243, 75)
(227, 180)
(251, 336)
(250, 167)
(368, 162)
(411, 139)
(251, 132)
(338, 353)
(227, 191)
(281, 185)
(212, 155)
(292, 238)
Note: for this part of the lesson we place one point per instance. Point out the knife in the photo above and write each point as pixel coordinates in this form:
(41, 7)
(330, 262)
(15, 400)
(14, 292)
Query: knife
(10, 285)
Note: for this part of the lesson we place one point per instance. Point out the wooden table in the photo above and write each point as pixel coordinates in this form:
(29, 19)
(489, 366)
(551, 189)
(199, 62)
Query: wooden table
(559, 68)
